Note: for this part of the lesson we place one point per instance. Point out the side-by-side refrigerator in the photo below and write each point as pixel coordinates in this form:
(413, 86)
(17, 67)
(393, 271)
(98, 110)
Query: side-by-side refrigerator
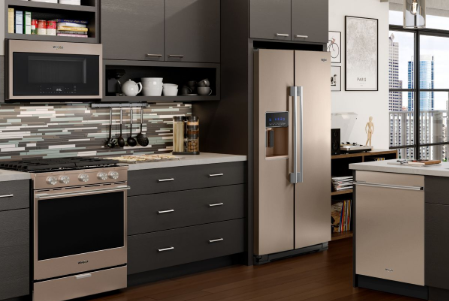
(292, 113)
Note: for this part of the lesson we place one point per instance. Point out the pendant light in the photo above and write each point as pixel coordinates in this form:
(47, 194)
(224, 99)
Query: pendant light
(414, 13)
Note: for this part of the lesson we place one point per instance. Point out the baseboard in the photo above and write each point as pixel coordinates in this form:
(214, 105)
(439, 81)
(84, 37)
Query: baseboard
(183, 270)
(263, 259)
(393, 287)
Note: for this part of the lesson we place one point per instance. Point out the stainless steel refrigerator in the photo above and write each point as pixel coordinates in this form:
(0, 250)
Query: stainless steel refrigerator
(292, 113)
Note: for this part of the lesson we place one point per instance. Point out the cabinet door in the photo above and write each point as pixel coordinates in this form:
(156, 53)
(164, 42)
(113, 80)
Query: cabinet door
(132, 29)
(390, 227)
(310, 20)
(192, 31)
(14, 253)
(271, 19)
(437, 245)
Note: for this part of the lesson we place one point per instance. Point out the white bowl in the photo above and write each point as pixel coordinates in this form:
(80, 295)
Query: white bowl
(152, 91)
(152, 81)
(170, 92)
(170, 85)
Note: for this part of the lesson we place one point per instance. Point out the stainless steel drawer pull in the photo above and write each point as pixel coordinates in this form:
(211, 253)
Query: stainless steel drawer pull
(166, 249)
(302, 36)
(6, 196)
(166, 180)
(153, 55)
(282, 35)
(83, 276)
(166, 211)
(414, 188)
(216, 240)
(216, 175)
(176, 55)
(216, 205)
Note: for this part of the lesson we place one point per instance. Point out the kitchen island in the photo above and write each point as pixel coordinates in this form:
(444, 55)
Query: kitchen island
(401, 225)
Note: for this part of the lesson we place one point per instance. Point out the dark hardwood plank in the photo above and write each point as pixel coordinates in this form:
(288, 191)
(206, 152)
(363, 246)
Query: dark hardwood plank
(325, 276)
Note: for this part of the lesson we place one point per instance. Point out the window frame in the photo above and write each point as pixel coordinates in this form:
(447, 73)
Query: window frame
(417, 87)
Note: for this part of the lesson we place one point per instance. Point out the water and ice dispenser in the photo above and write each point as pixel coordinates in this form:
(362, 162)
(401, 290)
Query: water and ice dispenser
(277, 124)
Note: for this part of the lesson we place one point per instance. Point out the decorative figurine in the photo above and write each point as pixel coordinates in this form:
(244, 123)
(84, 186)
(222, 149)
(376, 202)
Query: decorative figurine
(369, 129)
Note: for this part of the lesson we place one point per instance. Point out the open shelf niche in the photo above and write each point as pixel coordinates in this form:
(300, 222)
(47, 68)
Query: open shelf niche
(171, 72)
(88, 11)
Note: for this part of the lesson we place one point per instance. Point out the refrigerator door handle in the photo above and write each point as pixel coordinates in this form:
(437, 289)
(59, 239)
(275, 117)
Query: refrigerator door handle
(297, 176)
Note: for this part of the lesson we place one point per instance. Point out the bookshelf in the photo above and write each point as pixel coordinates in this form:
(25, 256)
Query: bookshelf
(340, 168)
(88, 10)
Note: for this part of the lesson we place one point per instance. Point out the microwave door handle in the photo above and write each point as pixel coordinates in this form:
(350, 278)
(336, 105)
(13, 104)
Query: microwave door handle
(297, 176)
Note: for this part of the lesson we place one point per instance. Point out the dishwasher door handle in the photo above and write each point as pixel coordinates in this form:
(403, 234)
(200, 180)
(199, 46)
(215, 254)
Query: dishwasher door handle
(414, 188)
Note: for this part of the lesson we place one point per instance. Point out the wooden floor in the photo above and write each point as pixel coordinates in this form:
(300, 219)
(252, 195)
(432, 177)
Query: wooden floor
(322, 276)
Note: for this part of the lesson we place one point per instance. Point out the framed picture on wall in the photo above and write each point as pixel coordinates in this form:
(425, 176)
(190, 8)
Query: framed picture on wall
(336, 78)
(362, 54)
(334, 46)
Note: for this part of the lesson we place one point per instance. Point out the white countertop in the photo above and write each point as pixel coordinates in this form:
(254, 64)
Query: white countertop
(441, 170)
(202, 159)
(9, 175)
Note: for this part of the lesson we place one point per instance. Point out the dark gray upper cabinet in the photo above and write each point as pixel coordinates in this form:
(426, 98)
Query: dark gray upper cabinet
(192, 31)
(271, 19)
(133, 29)
(310, 20)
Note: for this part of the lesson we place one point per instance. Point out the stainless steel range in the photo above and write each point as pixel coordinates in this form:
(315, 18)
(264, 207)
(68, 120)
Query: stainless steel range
(80, 227)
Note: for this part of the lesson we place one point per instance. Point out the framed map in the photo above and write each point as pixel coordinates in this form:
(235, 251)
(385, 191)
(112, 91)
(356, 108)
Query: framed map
(362, 54)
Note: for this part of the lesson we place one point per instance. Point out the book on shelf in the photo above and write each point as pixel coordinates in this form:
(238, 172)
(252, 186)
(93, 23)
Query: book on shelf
(72, 22)
(27, 22)
(341, 215)
(71, 28)
(19, 22)
(11, 21)
(71, 35)
(71, 32)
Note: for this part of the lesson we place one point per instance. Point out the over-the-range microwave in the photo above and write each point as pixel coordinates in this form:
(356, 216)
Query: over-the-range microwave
(40, 71)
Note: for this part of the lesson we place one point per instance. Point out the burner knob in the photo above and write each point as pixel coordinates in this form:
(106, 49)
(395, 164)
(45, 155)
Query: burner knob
(64, 179)
(113, 175)
(52, 180)
(83, 177)
(102, 176)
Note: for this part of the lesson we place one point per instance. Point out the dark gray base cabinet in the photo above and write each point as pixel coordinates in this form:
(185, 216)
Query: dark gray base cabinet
(14, 253)
(164, 211)
(184, 245)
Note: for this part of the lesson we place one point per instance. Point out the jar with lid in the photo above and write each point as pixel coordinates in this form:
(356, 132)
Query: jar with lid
(193, 135)
(178, 134)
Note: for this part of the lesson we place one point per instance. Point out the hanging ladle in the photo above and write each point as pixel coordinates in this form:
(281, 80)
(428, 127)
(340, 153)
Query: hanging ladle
(131, 141)
(141, 138)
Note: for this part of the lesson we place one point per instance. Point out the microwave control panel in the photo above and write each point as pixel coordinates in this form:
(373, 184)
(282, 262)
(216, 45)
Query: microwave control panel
(55, 90)
(277, 119)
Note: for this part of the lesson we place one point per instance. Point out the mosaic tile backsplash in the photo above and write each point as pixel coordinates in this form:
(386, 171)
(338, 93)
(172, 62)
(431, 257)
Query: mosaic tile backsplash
(56, 131)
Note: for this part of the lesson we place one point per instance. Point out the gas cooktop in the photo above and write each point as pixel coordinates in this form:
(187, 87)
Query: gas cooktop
(50, 165)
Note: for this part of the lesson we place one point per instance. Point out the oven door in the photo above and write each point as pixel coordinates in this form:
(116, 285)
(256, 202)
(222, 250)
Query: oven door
(79, 230)
(54, 71)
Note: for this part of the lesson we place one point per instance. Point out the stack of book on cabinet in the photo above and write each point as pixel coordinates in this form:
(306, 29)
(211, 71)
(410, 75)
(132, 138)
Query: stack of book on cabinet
(72, 28)
(341, 216)
(342, 183)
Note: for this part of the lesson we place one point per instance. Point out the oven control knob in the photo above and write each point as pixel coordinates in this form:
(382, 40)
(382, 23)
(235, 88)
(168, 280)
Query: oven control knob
(64, 179)
(102, 176)
(83, 177)
(113, 175)
(52, 180)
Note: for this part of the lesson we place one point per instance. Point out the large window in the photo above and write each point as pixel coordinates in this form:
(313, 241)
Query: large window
(419, 112)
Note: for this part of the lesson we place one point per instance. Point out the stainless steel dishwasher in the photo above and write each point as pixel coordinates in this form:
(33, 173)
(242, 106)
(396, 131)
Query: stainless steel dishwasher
(389, 225)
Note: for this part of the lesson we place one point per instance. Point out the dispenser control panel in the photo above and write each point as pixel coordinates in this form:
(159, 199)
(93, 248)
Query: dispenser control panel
(277, 120)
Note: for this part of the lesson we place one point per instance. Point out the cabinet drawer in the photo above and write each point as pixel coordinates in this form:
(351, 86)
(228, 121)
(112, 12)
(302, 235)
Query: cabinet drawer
(14, 195)
(156, 212)
(14, 253)
(162, 249)
(184, 178)
(437, 190)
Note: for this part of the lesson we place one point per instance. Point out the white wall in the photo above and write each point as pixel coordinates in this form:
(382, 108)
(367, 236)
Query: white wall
(365, 104)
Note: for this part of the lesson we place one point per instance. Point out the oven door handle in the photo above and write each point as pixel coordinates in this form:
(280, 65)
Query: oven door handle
(72, 194)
